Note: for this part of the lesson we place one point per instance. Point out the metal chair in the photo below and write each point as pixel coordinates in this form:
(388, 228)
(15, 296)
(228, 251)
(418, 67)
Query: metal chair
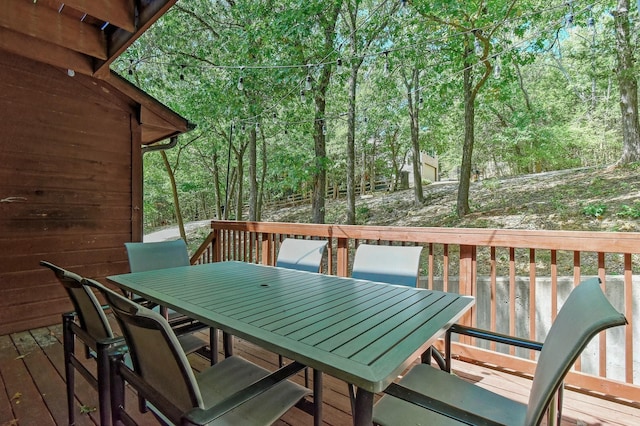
(431, 396)
(90, 324)
(233, 391)
(392, 265)
(303, 255)
(169, 254)
(387, 264)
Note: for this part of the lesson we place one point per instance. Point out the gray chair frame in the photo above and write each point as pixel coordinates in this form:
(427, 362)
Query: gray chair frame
(387, 264)
(89, 323)
(433, 396)
(168, 254)
(301, 254)
(234, 391)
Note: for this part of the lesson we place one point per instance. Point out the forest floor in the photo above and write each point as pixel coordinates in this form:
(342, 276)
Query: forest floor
(586, 199)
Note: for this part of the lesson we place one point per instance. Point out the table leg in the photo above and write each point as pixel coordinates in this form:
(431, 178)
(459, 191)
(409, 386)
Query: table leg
(317, 397)
(364, 408)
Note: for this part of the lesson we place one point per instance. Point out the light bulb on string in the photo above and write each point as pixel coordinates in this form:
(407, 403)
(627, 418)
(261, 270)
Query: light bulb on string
(477, 47)
(257, 126)
(591, 21)
(569, 20)
(182, 72)
(386, 62)
(241, 80)
(339, 64)
(303, 98)
(421, 102)
(324, 129)
(497, 68)
(307, 83)
(130, 66)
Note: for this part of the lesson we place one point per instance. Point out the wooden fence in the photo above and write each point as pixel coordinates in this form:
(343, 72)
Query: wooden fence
(496, 266)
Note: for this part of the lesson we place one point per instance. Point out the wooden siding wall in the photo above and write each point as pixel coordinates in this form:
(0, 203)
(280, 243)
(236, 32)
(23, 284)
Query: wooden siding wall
(66, 148)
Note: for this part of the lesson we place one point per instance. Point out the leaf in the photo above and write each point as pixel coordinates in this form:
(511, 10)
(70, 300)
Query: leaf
(16, 396)
(21, 356)
(85, 409)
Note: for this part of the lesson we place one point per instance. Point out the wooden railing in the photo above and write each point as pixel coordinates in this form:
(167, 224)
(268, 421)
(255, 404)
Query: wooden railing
(496, 266)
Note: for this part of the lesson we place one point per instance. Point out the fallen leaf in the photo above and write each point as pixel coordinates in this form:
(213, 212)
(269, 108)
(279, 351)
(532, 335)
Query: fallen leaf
(84, 409)
(21, 356)
(13, 422)
(16, 395)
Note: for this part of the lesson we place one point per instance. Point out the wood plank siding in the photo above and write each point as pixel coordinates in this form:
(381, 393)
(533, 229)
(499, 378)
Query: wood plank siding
(70, 183)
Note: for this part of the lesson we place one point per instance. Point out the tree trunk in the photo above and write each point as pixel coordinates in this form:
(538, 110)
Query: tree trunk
(174, 192)
(462, 207)
(628, 86)
(253, 178)
(351, 151)
(414, 106)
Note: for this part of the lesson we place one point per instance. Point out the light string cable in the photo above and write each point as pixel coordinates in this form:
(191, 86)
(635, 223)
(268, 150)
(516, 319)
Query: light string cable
(323, 62)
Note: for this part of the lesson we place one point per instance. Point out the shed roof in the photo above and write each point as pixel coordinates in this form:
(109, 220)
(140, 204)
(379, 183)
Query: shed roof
(86, 36)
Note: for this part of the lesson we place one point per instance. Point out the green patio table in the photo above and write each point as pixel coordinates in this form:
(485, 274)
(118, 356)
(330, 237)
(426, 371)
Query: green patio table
(362, 332)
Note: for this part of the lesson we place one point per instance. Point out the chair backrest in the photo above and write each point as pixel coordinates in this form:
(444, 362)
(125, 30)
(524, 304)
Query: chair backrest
(585, 313)
(160, 255)
(303, 255)
(156, 354)
(91, 316)
(387, 264)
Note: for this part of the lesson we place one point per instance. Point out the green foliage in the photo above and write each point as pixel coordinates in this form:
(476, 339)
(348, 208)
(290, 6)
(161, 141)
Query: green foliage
(552, 106)
(632, 212)
(596, 210)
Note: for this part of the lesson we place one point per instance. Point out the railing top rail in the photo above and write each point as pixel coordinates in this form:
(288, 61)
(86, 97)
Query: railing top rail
(613, 242)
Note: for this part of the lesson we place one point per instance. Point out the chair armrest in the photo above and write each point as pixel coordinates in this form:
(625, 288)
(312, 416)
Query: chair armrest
(198, 416)
(485, 335)
(495, 337)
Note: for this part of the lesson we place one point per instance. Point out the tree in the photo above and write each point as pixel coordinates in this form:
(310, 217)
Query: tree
(476, 24)
(628, 85)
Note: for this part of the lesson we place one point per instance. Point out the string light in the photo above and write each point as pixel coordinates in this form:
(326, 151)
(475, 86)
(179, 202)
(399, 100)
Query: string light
(241, 80)
(386, 62)
(257, 126)
(324, 129)
(477, 47)
(497, 68)
(182, 72)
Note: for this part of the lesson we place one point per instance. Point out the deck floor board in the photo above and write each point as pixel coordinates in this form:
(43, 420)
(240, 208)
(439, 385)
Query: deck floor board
(32, 379)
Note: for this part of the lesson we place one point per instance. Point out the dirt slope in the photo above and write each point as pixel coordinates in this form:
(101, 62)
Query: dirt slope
(577, 199)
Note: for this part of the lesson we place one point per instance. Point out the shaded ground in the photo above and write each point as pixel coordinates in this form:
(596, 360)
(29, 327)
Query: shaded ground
(589, 199)
(578, 199)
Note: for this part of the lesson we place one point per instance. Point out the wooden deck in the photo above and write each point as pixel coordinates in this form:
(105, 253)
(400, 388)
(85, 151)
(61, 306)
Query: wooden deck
(32, 377)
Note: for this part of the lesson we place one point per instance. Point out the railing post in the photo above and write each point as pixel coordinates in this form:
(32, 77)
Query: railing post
(343, 257)
(266, 249)
(467, 278)
(217, 246)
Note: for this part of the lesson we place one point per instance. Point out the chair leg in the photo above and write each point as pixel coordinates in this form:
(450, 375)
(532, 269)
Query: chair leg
(68, 342)
(116, 383)
(228, 344)
(102, 359)
(213, 345)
